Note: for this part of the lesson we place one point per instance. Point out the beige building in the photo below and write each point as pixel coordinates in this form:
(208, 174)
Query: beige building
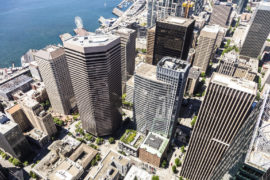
(232, 65)
(150, 45)
(192, 81)
(206, 46)
(38, 117)
(55, 74)
(223, 111)
(16, 114)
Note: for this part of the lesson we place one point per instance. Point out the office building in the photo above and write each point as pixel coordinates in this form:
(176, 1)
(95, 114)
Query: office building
(258, 31)
(192, 81)
(173, 38)
(205, 48)
(232, 65)
(223, 111)
(158, 93)
(37, 116)
(55, 74)
(94, 63)
(161, 9)
(34, 70)
(150, 45)
(12, 141)
(128, 53)
(249, 155)
(154, 149)
(16, 114)
(7, 88)
(221, 14)
(198, 6)
(241, 6)
(130, 90)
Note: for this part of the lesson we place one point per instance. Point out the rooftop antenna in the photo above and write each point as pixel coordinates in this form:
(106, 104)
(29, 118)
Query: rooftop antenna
(79, 22)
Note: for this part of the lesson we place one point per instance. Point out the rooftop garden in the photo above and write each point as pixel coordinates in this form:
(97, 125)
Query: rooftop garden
(128, 136)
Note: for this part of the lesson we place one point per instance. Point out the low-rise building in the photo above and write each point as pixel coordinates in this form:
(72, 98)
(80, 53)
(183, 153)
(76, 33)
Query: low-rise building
(153, 149)
(111, 167)
(12, 141)
(137, 173)
(38, 137)
(192, 81)
(130, 142)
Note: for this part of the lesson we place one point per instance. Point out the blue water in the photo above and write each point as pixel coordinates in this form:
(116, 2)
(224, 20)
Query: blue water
(33, 24)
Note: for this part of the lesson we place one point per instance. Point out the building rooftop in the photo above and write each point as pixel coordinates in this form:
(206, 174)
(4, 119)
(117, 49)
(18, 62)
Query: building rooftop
(194, 73)
(173, 64)
(50, 52)
(67, 170)
(258, 154)
(124, 30)
(5, 124)
(132, 138)
(29, 101)
(140, 174)
(264, 5)
(178, 21)
(15, 83)
(106, 169)
(235, 83)
(83, 155)
(155, 144)
(13, 109)
(210, 31)
(147, 71)
(37, 134)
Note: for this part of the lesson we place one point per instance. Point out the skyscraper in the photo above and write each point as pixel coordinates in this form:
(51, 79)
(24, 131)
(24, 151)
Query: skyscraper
(53, 67)
(128, 53)
(150, 44)
(205, 48)
(158, 93)
(173, 38)
(258, 31)
(222, 113)
(94, 63)
(221, 14)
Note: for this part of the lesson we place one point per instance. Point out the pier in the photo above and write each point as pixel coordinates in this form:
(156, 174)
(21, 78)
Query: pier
(117, 12)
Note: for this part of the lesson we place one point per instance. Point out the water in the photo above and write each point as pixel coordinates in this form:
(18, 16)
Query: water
(33, 24)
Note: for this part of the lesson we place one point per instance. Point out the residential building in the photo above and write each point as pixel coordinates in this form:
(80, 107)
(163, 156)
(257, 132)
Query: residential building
(150, 44)
(34, 70)
(192, 81)
(16, 114)
(55, 74)
(94, 64)
(158, 93)
(128, 53)
(7, 88)
(37, 116)
(223, 111)
(248, 156)
(232, 65)
(258, 31)
(153, 149)
(221, 14)
(12, 141)
(173, 38)
(206, 46)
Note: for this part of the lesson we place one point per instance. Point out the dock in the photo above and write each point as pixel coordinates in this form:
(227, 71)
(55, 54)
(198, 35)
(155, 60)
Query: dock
(117, 12)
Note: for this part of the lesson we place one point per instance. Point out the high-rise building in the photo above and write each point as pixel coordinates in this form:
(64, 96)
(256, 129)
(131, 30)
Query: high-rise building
(206, 46)
(198, 6)
(241, 6)
(248, 155)
(150, 44)
(158, 93)
(258, 31)
(161, 9)
(53, 67)
(221, 14)
(128, 53)
(94, 63)
(34, 69)
(37, 116)
(223, 111)
(12, 140)
(173, 38)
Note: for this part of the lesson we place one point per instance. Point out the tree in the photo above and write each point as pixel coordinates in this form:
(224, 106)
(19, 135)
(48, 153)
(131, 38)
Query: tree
(258, 97)
(193, 121)
(174, 169)
(98, 158)
(93, 162)
(33, 175)
(155, 178)
(10, 159)
(181, 178)
(177, 162)
(164, 163)
(16, 162)
(182, 149)
(25, 163)
(4, 155)
(203, 74)
(111, 140)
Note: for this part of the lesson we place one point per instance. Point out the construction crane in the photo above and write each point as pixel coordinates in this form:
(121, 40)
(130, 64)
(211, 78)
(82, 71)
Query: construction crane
(186, 6)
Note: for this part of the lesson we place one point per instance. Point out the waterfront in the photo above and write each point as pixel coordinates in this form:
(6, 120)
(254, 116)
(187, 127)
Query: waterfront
(26, 24)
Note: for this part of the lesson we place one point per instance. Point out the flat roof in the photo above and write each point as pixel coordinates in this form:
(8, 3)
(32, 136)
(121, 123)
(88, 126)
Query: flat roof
(235, 83)
(194, 73)
(50, 52)
(5, 124)
(155, 144)
(148, 71)
(210, 31)
(14, 109)
(178, 21)
(37, 134)
(134, 171)
(15, 83)
(173, 64)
